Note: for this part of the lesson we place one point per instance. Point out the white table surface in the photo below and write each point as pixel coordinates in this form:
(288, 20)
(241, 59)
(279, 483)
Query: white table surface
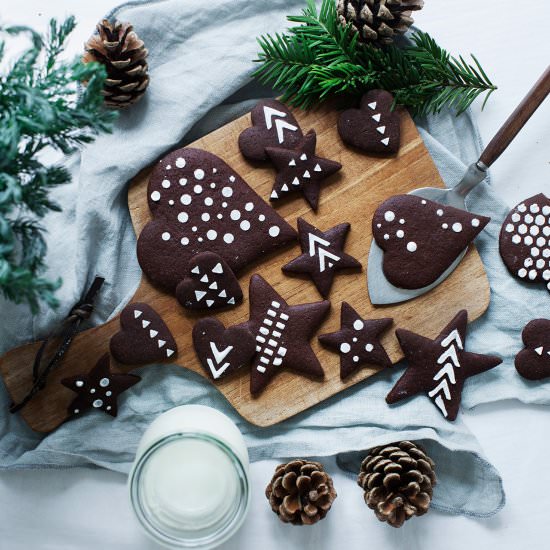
(87, 509)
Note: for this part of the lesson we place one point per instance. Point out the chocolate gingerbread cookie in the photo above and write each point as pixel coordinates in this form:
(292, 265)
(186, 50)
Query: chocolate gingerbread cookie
(143, 337)
(533, 361)
(199, 204)
(374, 127)
(273, 125)
(525, 240)
(421, 238)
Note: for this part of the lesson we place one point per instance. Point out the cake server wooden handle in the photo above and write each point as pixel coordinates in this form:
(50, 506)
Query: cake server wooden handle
(515, 122)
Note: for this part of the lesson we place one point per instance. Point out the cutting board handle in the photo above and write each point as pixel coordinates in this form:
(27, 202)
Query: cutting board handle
(517, 119)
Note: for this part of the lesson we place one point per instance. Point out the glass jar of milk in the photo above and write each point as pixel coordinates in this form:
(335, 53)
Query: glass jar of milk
(189, 484)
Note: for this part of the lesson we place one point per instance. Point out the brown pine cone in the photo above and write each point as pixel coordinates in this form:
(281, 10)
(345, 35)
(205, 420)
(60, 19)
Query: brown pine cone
(378, 21)
(398, 481)
(124, 55)
(300, 492)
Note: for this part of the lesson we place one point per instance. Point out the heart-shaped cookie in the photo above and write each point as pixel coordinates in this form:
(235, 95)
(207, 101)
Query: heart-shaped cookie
(210, 284)
(374, 127)
(525, 240)
(273, 125)
(421, 238)
(143, 338)
(533, 362)
(200, 204)
(221, 350)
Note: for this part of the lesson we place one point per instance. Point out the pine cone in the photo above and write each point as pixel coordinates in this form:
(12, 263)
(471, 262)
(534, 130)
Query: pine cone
(398, 480)
(123, 53)
(300, 492)
(378, 21)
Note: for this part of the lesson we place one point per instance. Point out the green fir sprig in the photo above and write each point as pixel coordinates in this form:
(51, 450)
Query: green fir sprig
(40, 108)
(319, 58)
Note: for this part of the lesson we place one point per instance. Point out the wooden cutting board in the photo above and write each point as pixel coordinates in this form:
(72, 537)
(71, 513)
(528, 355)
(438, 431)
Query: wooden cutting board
(351, 196)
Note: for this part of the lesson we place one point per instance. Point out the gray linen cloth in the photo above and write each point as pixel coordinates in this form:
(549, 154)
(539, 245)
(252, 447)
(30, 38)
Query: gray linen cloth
(200, 65)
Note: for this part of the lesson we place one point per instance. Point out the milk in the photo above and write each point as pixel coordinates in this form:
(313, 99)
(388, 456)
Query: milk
(189, 483)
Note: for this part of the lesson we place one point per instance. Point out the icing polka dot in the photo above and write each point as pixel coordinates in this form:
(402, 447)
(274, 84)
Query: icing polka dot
(245, 225)
(423, 201)
(546, 210)
(231, 179)
(200, 239)
(185, 199)
(235, 215)
(439, 212)
(199, 174)
(171, 202)
(546, 252)
(541, 241)
(79, 383)
(369, 347)
(197, 189)
(534, 230)
(457, 227)
(212, 185)
(354, 339)
(546, 230)
(228, 238)
(168, 167)
(211, 234)
(412, 246)
(401, 221)
(261, 218)
(475, 222)
(345, 347)
(516, 217)
(184, 241)
(445, 226)
(389, 216)
(355, 358)
(219, 216)
(528, 218)
(528, 240)
(165, 184)
(522, 229)
(166, 236)
(274, 231)
(516, 239)
(249, 206)
(522, 208)
(528, 262)
(104, 382)
(208, 201)
(540, 263)
(224, 205)
(358, 324)
(183, 181)
(535, 251)
(205, 217)
(155, 196)
(386, 237)
(534, 208)
(546, 274)
(227, 192)
(522, 273)
(180, 162)
(183, 217)
(400, 234)
(532, 274)
(194, 229)
(108, 393)
(509, 228)
(97, 403)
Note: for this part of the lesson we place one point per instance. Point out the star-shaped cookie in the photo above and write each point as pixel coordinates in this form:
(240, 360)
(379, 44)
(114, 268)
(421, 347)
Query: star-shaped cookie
(301, 170)
(439, 367)
(99, 389)
(323, 254)
(282, 334)
(358, 341)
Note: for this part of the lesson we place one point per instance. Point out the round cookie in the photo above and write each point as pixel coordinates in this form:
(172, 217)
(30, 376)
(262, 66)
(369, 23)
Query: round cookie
(273, 125)
(374, 127)
(200, 204)
(533, 362)
(221, 350)
(525, 240)
(421, 238)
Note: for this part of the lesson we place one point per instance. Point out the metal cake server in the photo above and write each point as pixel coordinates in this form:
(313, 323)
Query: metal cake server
(381, 291)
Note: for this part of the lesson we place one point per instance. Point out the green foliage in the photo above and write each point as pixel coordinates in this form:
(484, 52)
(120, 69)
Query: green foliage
(40, 108)
(319, 58)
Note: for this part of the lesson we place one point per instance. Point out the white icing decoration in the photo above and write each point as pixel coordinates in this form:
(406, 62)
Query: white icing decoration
(320, 252)
(546, 230)
(180, 162)
(369, 347)
(534, 208)
(355, 358)
(541, 241)
(228, 238)
(522, 208)
(211, 234)
(516, 239)
(204, 279)
(317, 168)
(295, 181)
(400, 234)
(358, 324)
(376, 117)
(354, 339)
(303, 156)
(108, 393)
(307, 174)
(200, 294)
(245, 225)
(104, 382)
(546, 252)
(389, 216)
(401, 221)
(274, 231)
(199, 174)
(205, 217)
(381, 129)
(372, 105)
(249, 206)
(92, 390)
(546, 210)
(546, 274)
(196, 270)
(445, 226)
(534, 230)
(533, 274)
(292, 163)
(235, 215)
(224, 204)
(227, 192)
(516, 217)
(385, 141)
(165, 184)
(509, 228)
(522, 273)
(79, 383)
(97, 403)
(171, 202)
(219, 216)
(540, 263)
(528, 262)
(412, 246)
(217, 268)
(231, 179)
(284, 187)
(183, 181)
(386, 237)
(439, 212)
(197, 189)
(155, 196)
(535, 251)
(475, 222)
(457, 227)
(423, 201)
(212, 185)
(137, 313)
(261, 217)
(185, 199)
(184, 241)
(145, 323)
(194, 229)
(183, 217)
(345, 347)
(528, 218)
(166, 236)
(153, 333)
(528, 240)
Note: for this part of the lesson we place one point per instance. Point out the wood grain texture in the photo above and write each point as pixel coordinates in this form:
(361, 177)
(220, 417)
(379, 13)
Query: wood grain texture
(351, 196)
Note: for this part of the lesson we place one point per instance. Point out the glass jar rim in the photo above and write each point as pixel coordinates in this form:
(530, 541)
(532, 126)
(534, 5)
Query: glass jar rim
(230, 526)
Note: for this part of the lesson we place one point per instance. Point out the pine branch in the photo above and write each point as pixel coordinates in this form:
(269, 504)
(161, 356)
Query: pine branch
(319, 58)
(40, 108)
